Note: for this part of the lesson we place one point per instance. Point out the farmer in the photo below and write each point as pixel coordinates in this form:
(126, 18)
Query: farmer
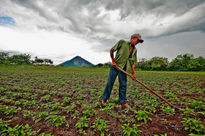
(126, 57)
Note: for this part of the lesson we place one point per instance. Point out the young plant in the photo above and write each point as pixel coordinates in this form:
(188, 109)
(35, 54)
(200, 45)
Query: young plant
(9, 110)
(30, 103)
(41, 116)
(9, 94)
(167, 109)
(19, 130)
(66, 100)
(55, 106)
(3, 126)
(46, 98)
(76, 114)
(192, 125)
(188, 112)
(28, 114)
(100, 125)
(89, 112)
(53, 92)
(130, 131)
(82, 124)
(198, 105)
(70, 108)
(142, 116)
(192, 134)
(150, 108)
(56, 120)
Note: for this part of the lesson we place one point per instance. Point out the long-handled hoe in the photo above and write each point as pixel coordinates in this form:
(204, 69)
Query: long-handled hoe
(151, 90)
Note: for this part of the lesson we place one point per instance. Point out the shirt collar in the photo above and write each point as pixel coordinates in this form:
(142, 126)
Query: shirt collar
(131, 45)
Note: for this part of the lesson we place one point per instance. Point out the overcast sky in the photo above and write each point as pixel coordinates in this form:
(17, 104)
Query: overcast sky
(61, 29)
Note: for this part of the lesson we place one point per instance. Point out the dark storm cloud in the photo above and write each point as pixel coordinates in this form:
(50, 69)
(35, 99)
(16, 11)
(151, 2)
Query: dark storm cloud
(107, 21)
(91, 25)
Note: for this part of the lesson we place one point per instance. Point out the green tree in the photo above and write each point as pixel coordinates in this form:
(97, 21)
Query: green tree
(181, 62)
(143, 64)
(20, 59)
(158, 63)
(38, 60)
(3, 57)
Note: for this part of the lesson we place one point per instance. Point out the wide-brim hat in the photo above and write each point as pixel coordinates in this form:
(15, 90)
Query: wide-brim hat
(138, 36)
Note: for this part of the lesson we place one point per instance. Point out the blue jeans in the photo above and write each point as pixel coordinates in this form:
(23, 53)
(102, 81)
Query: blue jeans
(122, 85)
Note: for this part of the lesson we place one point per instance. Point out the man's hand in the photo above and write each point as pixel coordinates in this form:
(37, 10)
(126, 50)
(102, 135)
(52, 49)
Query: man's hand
(133, 77)
(114, 64)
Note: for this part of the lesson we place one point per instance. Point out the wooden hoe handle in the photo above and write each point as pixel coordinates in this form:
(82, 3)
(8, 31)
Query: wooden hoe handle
(152, 91)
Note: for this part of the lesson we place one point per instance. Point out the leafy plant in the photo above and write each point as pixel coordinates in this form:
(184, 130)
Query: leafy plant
(3, 126)
(41, 116)
(53, 92)
(89, 112)
(46, 98)
(192, 125)
(28, 114)
(142, 116)
(70, 108)
(130, 130)
(100, 125)
(192, 134)
(188, 112)
(150, 108)
(66, 100)
(198, 105)
(30, 103)
(76, 114)
(19, 130)
(52, 106)
(82, 124)
(9, 110)
(9, 94)
(167, 109)
(2, 90)
(43, 91)
(106, 108)
(56, 120)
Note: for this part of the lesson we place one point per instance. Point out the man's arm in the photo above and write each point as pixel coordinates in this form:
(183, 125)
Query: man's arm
(112, 57)
(133, 72)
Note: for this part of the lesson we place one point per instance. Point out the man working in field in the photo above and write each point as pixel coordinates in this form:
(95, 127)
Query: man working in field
(125, 58)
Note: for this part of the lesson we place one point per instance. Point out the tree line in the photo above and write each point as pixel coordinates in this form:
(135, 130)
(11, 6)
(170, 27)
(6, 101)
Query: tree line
(22, 59)
(183, 62)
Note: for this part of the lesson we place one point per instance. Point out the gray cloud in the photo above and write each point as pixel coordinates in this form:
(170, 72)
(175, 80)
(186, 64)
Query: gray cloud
(89, 24)
(107, 21)
(173, 45)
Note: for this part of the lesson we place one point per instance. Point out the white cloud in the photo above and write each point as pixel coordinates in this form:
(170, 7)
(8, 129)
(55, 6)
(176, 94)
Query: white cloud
(53, 44)
(173, 45)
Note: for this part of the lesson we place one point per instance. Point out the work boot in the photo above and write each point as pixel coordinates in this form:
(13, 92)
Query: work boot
(126, 105)
(103, 103)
